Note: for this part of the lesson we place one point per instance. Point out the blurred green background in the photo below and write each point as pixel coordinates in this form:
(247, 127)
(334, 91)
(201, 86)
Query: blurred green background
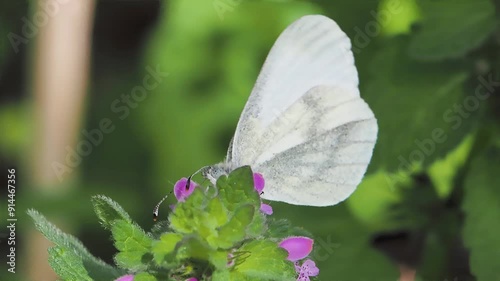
(430, 202)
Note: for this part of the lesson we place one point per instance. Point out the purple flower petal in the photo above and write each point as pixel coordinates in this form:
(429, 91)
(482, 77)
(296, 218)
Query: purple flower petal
(309, 267)
(266, 209)
(297, 247)
(303, 277)
(258, 182)
(297, 266)
(129, 277)
(180, 190)
(192, 279)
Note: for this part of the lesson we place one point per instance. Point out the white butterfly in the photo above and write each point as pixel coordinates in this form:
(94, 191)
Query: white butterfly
(304, 127)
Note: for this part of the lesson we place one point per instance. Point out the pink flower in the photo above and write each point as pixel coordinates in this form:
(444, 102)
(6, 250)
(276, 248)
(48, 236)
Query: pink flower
(307, 269)
(258, 184)
(129, 277)
(192, 279)
(297, 247)
(180, 190)
(266, 209)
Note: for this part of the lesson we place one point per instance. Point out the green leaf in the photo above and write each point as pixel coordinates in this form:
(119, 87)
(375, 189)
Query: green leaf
(482, 214)
(258, 225)
(66, 242)
(134, 245)
(159, 228)
(237, 189)
(443, 172)
(143, 276)
(397, 17)
(192, 247)
(67, 264)
(343, 248)
(163, 249)
(418, 107)
(191, 217)
(373, 199)
(281, 228)
(217, 210)
(108, 211)
(265, 260)
(218, 259)
(221, 275)
(235, 230)
(451, 28)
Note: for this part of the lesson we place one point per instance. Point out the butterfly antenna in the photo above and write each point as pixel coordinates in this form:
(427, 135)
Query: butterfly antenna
(157, 207)
(188, 182)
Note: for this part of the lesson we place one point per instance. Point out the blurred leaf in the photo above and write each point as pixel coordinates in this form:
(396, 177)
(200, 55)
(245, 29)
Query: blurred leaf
(190, 217)
(265, 260)
(15, 122)
(443, 171)
(451, 28)
(164, 247)
(221, 275)
(342, 246)
(235, 230)
(67, 264)
(159, 228)
(108, 211)
(371, 202)
(416, 108)
(134, 245)
(192, 247)
(218, 211)
(396, 16)
(143, 276)
(66, 242)
(482, 214)
(218, 259)
(281, 228)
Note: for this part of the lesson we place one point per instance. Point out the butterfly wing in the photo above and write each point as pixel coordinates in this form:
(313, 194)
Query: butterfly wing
(305, 126)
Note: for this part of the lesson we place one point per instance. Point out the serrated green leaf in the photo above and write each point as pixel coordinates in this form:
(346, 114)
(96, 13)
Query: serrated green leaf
(143, 276)
(191, 217)
(163, 249)
(217, 210)
(237, 189)
(108, 211)
(218, 259)
(95, 266)
(159, 228)
(265, 260)
(451, 28)
(482, 215)
(425, 95)
(221, 275)
(235, 230)
(67, 264)
(134, 245)
(192, 247)
(258, 225)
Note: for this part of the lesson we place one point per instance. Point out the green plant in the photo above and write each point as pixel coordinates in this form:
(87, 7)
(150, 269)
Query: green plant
(219, 232)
